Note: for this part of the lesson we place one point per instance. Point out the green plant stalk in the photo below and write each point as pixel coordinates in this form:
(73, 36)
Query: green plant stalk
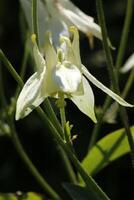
(108, 100)
(34, 20)
(2, 95)
(97, 126)
(41, 180)
(66, 162)
(49, 108)
(90, 182)
(114, 79)
(125, 32)
(119, 59)
(51, 114)
(24, 65)
(10, 68)
(128, 84)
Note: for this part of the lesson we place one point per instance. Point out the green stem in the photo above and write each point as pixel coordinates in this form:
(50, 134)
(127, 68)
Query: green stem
(24, 64)
(35, 21)
(41, 180)
(125, 32)
(2, 94)
(90, 182)
(128, 84)
(120, 55)
(66, 162)
(114, 79)
(97, 127)
(10, 68)
(51, 114)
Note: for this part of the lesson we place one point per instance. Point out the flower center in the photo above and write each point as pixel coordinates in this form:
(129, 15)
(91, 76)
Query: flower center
(67, 77)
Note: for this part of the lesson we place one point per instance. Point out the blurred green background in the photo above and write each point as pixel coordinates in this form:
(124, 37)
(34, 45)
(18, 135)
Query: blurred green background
(117, 180)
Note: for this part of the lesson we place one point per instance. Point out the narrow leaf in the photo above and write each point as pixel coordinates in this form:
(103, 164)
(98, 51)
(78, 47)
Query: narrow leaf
(108, 149)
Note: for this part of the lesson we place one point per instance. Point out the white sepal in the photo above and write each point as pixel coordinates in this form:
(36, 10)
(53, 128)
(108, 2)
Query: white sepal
(98, 84)
(31, 95)
(85, 102)
(84, 25)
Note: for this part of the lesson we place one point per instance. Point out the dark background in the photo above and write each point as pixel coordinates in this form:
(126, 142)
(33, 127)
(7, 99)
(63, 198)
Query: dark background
(117, 180)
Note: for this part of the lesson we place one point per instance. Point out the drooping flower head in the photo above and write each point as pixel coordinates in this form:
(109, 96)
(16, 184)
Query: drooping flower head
(61, 72)
(57, 16)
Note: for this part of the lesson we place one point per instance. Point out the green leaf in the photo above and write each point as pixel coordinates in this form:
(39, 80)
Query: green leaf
(21, 196)
(79, 193)
(108, 149)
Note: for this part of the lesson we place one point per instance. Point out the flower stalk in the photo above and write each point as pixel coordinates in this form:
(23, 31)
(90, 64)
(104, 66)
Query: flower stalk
(114, 79)
(125, 32)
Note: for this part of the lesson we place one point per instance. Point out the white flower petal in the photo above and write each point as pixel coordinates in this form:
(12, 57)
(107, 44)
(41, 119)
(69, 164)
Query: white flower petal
(31, 95)
(129, 64)
(98, 84)
(81, 23)
(69, 5)
(67, 77)
(38, 57)
(85, 102)
(50, 54)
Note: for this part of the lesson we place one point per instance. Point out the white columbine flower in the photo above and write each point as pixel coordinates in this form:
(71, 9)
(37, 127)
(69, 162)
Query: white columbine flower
(66, 11)
(61, 73)
(56, 16)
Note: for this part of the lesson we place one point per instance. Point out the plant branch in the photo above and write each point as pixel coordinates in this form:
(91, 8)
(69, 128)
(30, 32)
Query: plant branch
(114, 79)
(124, 36)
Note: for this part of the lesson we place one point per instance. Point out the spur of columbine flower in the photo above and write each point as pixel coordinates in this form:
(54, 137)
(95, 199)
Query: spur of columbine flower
(61, 73)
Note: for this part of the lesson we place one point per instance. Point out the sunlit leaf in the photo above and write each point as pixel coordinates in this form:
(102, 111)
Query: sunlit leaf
(108, 149)
(21, 196)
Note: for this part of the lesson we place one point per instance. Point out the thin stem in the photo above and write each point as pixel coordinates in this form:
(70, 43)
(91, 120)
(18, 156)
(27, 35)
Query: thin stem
(41, 180)
(24, 64)
(10, 68)
(128, 84)
(122, 46)
(108, 100)
(114, 79)
(90, 182)
(2, 94)
(51, 114)
(63, 117)
(97, 127)
(125, 32)
(35, 21)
